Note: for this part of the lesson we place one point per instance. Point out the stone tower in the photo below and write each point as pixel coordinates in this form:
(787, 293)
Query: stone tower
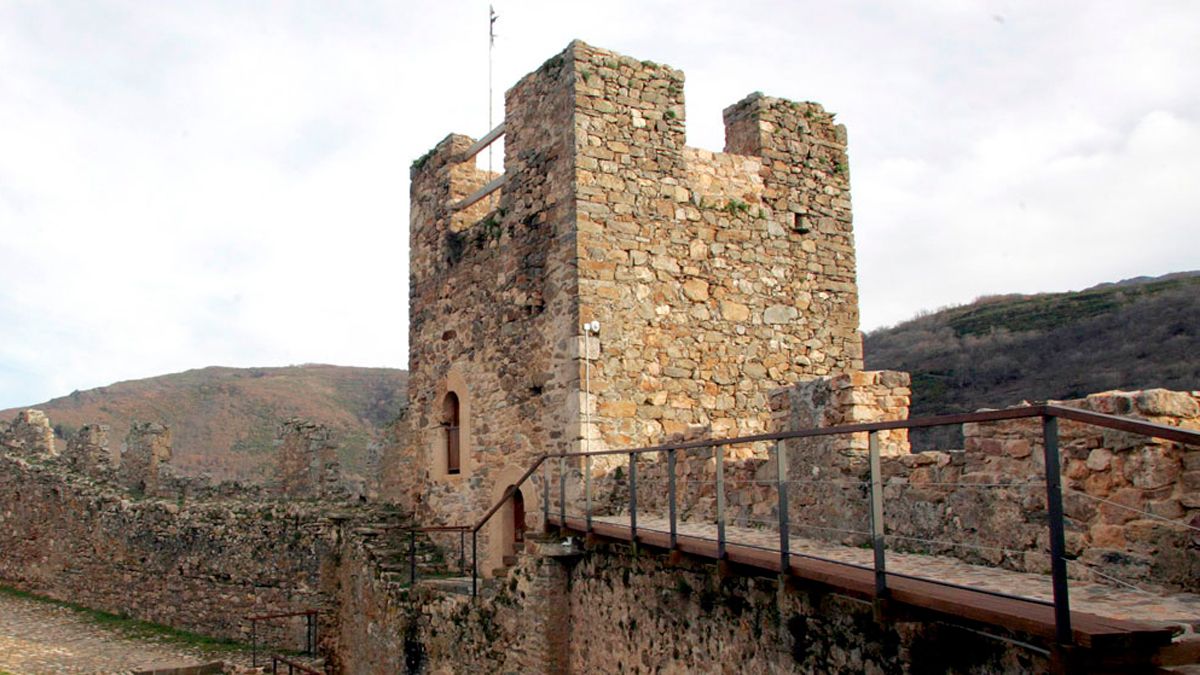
(716, 278)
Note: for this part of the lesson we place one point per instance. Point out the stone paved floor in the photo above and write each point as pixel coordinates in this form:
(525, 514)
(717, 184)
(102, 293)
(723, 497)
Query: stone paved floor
(37, 637)
(1166, 608)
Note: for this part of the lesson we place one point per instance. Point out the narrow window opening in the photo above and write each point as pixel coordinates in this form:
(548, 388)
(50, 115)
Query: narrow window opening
(800, 224)
(453, 442)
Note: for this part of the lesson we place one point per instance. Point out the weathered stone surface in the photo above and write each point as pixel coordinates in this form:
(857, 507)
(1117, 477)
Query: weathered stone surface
(306, 461)
(147, 447)
(87, 451)
(30, 432)
(708, 293)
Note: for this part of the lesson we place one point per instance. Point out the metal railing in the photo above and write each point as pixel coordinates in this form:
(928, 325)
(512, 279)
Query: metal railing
(292, 666)
(310, 631)
(1048, 413)
(412, 547)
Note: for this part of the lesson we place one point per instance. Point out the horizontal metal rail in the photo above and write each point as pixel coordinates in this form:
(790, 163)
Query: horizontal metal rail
(284, 615)
(492, 185)
(292, 666)
(310, 630)
(488, 138)
(1044, 411)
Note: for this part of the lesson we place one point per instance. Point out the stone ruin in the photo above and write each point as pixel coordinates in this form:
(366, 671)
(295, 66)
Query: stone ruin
(147, 447)
(29, 432)
(87, 451)
(307, 462)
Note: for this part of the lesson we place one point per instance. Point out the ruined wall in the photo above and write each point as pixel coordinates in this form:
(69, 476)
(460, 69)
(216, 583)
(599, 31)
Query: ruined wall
(147, 446)
(87, 451)
(201, 559)
(306, 465)
(29, 432)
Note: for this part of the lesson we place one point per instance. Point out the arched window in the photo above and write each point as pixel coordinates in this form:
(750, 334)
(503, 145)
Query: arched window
(453, 444)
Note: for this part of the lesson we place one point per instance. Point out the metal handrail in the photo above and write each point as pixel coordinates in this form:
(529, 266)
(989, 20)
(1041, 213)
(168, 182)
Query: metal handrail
(1049, 413)
(1042, 410)
(310, 630)
(292, 666)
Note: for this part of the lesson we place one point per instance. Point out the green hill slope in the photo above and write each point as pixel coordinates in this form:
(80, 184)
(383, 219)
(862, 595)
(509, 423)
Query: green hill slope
(223, 420)
(998, 351)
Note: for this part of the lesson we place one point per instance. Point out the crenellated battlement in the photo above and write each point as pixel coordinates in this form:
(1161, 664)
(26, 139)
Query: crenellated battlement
(716, 277)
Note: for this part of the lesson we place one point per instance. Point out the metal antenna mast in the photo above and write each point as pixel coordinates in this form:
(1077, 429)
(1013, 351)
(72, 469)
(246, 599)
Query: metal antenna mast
(491, 45)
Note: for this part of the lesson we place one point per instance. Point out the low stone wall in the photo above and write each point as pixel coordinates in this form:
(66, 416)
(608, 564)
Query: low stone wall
(176, 551)
(1129, 500)
(201, 567)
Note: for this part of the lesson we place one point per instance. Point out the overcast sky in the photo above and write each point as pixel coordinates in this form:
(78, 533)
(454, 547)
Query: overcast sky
(226, 183)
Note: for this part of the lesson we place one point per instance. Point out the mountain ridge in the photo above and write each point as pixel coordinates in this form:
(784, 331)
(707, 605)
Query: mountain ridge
(999, 350)
(224, 419)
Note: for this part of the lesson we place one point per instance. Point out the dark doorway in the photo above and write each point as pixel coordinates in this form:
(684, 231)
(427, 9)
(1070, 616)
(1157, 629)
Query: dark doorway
(518, 515)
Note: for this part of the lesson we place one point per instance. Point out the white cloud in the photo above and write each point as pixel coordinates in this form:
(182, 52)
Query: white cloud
(191, 184)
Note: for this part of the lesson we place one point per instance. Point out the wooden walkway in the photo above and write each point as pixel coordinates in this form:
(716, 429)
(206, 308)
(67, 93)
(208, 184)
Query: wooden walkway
(1104, 620)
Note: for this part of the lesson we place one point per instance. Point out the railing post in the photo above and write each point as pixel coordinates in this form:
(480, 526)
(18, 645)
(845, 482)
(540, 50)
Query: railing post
(671, 494)
(1054, 508)
(587, 491)
(462, 552)
(562, 491)
(781, 483)
(474, 561)
(633, 498)
(545, 497)
(719, 456)
(877, 530)
(412, 557)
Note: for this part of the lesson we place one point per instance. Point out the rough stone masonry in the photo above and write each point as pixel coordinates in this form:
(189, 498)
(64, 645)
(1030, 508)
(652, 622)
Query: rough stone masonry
(716, 278)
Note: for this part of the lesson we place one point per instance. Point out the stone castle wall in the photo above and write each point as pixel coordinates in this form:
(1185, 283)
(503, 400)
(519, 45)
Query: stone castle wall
(610, 611)
(185, 553)
(716, 278)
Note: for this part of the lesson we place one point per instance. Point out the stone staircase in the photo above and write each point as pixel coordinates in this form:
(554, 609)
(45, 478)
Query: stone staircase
(386, 539)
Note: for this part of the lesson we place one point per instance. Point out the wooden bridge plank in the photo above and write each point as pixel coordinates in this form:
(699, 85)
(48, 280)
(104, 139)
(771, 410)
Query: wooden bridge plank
(1026, 616)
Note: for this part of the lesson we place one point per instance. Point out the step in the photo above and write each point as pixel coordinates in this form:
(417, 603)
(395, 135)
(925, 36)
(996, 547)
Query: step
(454, 585)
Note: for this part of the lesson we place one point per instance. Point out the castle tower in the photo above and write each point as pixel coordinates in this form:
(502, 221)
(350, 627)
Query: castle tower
(716, 278)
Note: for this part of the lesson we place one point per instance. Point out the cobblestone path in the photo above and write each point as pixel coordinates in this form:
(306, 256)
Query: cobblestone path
(37, 638)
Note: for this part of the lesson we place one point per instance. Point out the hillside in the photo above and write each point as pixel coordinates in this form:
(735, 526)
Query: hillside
(223, 420)
(1000, 350)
